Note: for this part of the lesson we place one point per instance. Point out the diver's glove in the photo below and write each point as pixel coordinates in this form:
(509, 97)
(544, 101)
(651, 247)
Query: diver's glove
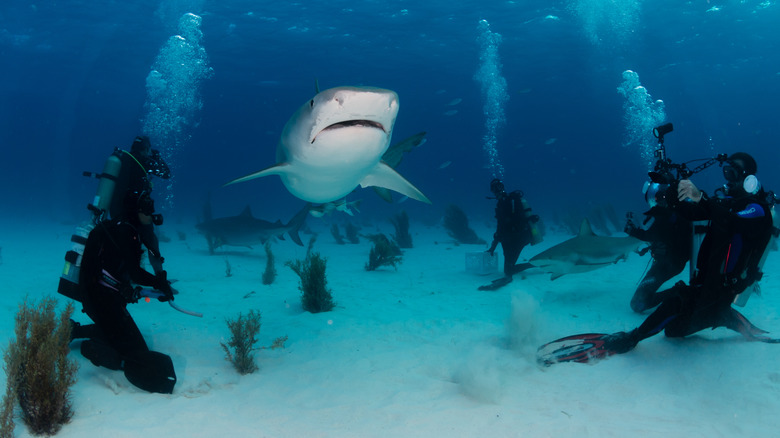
(131, 294)
(163, 285)
(493, 246)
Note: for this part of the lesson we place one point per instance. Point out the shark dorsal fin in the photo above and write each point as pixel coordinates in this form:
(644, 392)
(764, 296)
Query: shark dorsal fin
(585, 229)
(247, 212)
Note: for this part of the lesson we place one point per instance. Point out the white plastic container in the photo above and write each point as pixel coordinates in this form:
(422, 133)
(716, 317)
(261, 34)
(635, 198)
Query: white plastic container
(481, 263)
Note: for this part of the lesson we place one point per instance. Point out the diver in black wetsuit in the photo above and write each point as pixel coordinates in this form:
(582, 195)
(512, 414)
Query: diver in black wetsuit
(110, 272)
(670, 238)
(513, 231)
(129, 172)
(728, 263)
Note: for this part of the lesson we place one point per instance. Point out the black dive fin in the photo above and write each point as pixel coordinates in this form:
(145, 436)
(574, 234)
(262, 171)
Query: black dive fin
(151, 371)
(496, 284)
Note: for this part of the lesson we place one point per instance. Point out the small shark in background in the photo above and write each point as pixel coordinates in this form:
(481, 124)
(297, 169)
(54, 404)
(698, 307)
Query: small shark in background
(246, 230)
(584, 252)
(335, 142)
(341, 205)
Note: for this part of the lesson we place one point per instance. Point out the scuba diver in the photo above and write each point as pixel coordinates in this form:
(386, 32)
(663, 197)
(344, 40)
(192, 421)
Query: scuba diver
(124, 172)
(109, 274)
(127, 172)
(728, 263)
(515, 228)
(669, 235)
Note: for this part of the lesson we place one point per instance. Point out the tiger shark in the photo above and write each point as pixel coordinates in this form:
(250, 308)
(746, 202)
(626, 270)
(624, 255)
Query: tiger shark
(335, 142)
(247, 230)
(584, 252)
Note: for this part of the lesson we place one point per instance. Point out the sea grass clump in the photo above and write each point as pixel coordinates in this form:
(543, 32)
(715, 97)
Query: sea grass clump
(352, 232)
(384, 252)
(243, 337)
(401, 224)
(315, 296)
(334, 231)
(269, 275)
(457, 225)
(39, 373)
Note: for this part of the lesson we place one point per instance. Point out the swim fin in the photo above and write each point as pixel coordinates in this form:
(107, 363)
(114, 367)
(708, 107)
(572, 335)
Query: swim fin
(151, 371)
(496, 284)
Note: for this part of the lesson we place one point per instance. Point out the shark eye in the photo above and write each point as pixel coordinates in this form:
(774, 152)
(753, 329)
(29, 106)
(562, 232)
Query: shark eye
(311, 103)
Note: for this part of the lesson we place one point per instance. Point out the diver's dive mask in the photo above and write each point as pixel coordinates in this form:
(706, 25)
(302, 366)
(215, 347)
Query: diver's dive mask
(737, 176)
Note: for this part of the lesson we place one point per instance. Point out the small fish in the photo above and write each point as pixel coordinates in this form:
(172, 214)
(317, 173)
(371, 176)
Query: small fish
(451, 113)
(445, 164)
(550, 141)
(455, 101)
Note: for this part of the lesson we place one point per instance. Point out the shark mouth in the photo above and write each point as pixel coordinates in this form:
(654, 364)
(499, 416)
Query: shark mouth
(351, 124)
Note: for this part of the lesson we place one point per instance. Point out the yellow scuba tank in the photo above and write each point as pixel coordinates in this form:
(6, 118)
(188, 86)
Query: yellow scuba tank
(105, 190)
(69, 280)
(536, 236)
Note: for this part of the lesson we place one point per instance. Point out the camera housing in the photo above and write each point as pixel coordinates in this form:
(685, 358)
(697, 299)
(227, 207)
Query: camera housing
(661, 194)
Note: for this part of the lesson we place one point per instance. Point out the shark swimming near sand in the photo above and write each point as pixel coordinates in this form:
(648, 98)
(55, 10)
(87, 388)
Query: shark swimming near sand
(584, 252)
(246, 230)
(335, 142)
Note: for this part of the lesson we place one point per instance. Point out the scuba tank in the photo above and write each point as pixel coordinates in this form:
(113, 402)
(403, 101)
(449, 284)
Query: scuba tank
(536, 235)
(105, 190)
(699, 230)
(742, 299)
(69, 280)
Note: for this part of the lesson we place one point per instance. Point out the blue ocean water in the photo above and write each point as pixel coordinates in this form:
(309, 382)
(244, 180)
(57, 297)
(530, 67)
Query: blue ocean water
(537, 103)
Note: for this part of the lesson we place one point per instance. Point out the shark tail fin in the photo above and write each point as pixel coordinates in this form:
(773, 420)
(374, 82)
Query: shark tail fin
(296, 223)
(385, 176)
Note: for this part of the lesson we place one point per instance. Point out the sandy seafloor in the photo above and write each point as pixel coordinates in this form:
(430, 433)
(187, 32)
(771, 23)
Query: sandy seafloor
(412, 352)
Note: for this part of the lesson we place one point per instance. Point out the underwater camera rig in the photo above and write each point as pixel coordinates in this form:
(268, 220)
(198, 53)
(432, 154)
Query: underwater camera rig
(661, 190)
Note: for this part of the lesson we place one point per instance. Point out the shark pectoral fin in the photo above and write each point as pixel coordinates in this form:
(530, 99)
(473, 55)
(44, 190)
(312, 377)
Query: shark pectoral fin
(276, 169)
(384, 176)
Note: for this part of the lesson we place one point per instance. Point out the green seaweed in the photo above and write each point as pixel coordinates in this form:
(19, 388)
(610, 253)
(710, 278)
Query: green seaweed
(39, 373)
(315, 296)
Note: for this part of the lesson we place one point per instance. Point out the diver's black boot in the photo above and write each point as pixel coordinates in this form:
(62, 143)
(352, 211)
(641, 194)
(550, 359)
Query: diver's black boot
(621, 342)
(101, 354)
